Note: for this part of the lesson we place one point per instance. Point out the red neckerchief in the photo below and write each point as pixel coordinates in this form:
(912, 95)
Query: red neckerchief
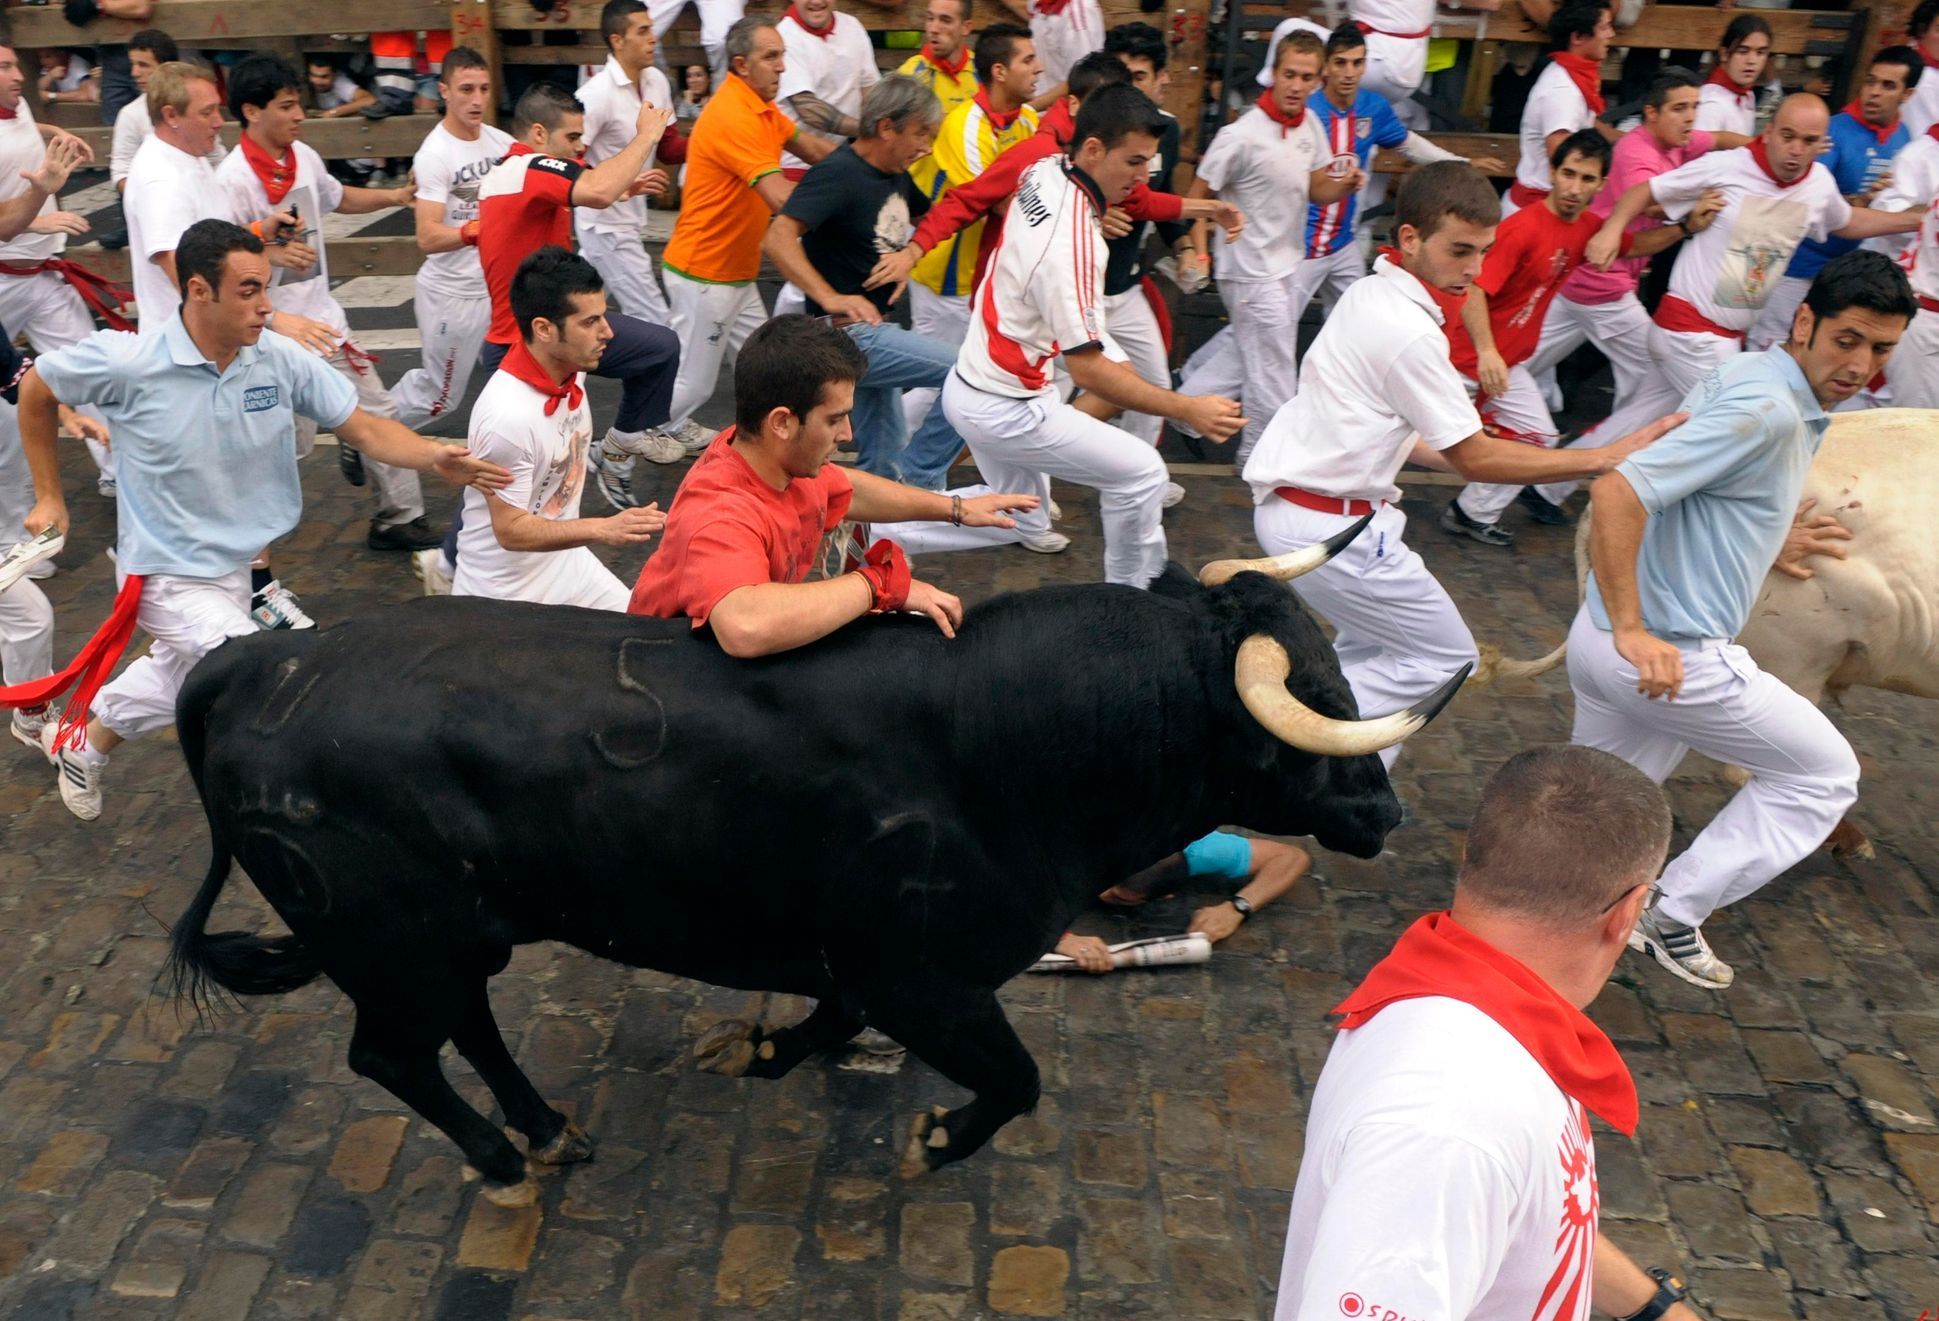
(1057, 122)
(277, 177)
(1437, 956)
(10, 114)
(802, 23)
(1746, 96)
(1763, 159)
(962, 59)
(1933, 132)
(1286, 125)
(1051, 8)
(520, 363)
(998, 120)
(1585, 73)
(1881, 133)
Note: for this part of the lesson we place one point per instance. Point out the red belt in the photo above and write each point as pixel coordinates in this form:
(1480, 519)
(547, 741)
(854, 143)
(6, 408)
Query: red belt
(87, 672)
(1677, 315)
(1929, 304)
(101, 295)
(1368, 29)
(1326, 504)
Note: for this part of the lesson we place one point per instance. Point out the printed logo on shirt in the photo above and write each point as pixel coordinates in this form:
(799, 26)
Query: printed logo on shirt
(1765, 234)
(1354, 1306)
(556, 164)
(261, 398)
(1030, 201)
(1363, 128)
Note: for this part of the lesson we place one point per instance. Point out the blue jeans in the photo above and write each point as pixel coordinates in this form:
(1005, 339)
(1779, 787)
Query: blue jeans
(901, 360)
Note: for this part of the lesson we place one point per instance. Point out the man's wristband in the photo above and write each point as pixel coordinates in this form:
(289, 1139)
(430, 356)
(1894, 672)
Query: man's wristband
(468, 233)
(1669, 1292)
(956, 510)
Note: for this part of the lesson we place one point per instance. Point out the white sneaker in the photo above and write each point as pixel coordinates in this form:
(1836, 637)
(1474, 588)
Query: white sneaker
(77, 773)
(1056, 512)
(1681, 949)
(106, 487)
(1174, 496)
(1050, 543)
(652, 444)
(614, 478)
(275, 607)
(432, 571)
(693, 436)
(27, 724)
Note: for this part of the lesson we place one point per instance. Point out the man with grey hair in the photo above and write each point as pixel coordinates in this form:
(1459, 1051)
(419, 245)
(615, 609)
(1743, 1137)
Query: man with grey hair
(848, 210)
(1465, 1071)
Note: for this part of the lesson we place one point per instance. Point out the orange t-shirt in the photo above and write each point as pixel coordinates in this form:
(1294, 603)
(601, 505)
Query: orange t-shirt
(736, 141)
(729, 529)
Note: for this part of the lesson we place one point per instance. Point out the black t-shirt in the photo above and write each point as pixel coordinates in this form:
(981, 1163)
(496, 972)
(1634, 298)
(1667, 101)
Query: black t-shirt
(1126, 255)
(853, 215)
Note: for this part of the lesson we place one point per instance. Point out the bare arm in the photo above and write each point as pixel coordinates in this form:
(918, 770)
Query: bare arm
(817, 114)
(1866, 223)
(359, 98)
(775, 188)
(1019, 9)
(362, 201)
(392, 442)
(1324, 190)
(516, 529)
(879, 500)
(811, 148)
(614, 177)
(1607, 243)
(1621, 1286)
(1485, 458)
(782, 245)
(61, 159)
(39, 419)
(763, 618)
(1722, 141)
(1489, 369)
(1117, 384)
(433, 235)
(1615, 538)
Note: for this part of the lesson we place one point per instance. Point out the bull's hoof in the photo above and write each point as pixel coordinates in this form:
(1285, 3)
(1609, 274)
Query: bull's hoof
(728, 1047)
(928, 1143)
(509, 1195)
(1848, 841)
(572, 1145)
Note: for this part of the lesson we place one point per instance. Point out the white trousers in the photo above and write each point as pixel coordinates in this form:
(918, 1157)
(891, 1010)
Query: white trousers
(1395, 629)
(452, 331)
(627, 268)
(26, 633)
(1134, 326)
(1265, 331)
(716, 16)
(934, 316)
(1326, 278)
(400, 498)
(585, 582)
(1773, 324)
(1803, 774)
(1679, 359)
(1214, 367)
(1913, 369)
(711, 321)
(1396, 66)
(46, 309)
(187, 618)
(1520, 413)
(1020, 444)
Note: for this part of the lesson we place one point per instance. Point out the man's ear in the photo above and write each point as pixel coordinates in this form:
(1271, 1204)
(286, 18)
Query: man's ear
(1619, 921)
(780, 422)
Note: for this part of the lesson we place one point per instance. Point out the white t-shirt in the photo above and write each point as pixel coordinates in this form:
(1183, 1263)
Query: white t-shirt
(1720, 110)
(448, 170)
(132, 127)
(1044, 293)
(1394, 60)
(1377, 375)
(838, 68)
(1922, 111)
(168, 190)
(315, 194)
(1915, 182)
(612, 111)
(23, 148)
(547, 459)
(1264, 169)
(1555, 105)
(1064, 38)
(1445, 1176)
(1727, 271)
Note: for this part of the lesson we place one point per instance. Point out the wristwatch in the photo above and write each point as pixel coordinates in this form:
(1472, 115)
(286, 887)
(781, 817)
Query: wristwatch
(1669, 1292)
(1238, 901)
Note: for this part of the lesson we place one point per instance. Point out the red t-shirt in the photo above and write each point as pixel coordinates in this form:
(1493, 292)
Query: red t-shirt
(1534, 253)
(524, 203)
(729, 529)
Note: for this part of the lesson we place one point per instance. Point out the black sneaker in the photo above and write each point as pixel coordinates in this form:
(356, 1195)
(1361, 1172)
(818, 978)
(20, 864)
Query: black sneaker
(1542, 510)
(114, 239)
(418, 534)
(1457, 523)
(350, 462)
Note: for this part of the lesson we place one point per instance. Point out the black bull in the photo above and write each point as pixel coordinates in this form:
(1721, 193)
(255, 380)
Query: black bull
(888, 821)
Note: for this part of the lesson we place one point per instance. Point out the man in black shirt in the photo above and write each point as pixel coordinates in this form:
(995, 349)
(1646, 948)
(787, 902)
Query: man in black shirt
(850, 209)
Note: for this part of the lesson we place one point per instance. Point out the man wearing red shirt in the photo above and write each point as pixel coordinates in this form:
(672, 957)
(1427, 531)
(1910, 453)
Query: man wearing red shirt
(749, 520)
(1501, 317)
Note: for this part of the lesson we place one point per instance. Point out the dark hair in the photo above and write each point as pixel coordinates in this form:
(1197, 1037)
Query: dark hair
(1562, 834)
(257, 81)
(1098, 69)
(321, 61)
(788, 363)
(205, 246)
(458, 59)
(544, 285)
(157, 43)
(1906, 58)
(614, 18)
(1574, 18)
(1584, 142)
(1921, 19)
(1110, 113)
(1347, 36)
(545, 104)
(997, 44)
(1441, 189)
(1870, 280)
(1300, 42)
(1741, 29)
(1138, 41)
(1674, 78)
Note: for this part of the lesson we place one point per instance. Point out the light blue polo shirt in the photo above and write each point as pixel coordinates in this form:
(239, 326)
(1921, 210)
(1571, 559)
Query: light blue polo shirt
(205, 460)
(1721, 491)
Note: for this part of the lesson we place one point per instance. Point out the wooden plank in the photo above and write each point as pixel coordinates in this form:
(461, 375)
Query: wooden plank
(226, 20)
(1888, 20)
(471, 25)
(332, 139)
(394, 255)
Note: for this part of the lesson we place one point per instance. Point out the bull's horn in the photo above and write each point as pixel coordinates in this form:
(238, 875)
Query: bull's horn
(1284, 567)
(1261, 673)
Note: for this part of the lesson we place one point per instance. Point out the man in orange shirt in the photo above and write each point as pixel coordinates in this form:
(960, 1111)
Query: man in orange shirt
(734, 186)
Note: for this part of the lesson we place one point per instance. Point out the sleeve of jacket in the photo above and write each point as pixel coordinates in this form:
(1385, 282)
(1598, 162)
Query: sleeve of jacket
(967, 202)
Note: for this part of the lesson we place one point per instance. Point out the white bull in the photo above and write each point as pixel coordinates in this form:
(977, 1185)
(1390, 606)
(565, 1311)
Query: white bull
(1870, 620)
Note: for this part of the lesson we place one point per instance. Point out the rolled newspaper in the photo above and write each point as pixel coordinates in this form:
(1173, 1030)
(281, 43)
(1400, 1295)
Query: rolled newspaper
(1152, 952)
(27, 554)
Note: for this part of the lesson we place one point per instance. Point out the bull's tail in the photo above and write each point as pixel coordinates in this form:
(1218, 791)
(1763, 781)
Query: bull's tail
(1493, 665)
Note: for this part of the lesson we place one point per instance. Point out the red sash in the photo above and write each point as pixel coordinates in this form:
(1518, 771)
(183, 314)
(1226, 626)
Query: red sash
(88, 670)
(103, 297)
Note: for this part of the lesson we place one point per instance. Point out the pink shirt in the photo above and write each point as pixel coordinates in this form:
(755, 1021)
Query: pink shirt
(1639, 155)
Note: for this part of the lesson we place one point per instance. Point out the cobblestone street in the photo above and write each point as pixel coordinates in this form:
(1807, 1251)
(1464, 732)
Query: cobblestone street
(1788, 1158)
